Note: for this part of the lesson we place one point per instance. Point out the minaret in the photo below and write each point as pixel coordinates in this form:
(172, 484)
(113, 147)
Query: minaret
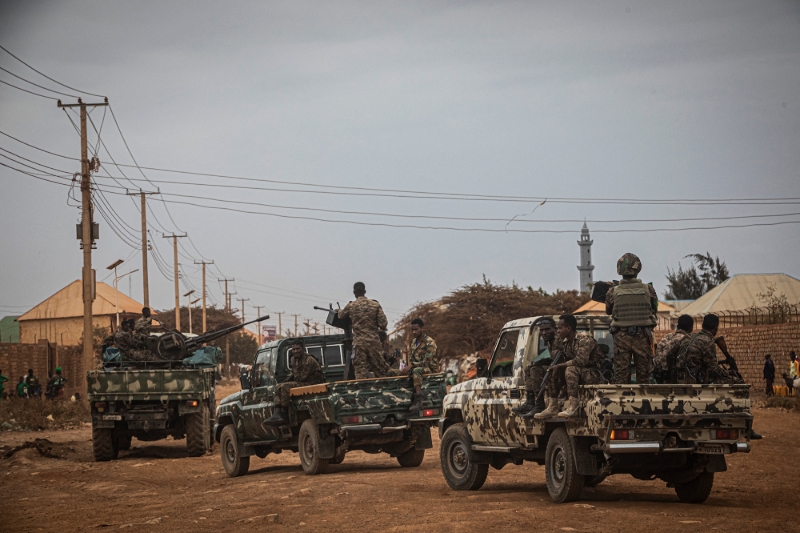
(586, 267)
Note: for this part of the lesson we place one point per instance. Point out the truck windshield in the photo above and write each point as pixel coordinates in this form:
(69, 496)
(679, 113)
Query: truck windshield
(503, 360)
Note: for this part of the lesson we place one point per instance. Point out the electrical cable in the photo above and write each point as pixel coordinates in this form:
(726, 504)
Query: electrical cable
(27, 91)
(37, 85)
(46, 76)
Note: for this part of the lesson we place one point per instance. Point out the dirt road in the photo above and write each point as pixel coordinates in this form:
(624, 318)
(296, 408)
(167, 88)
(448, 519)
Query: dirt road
(155, 487)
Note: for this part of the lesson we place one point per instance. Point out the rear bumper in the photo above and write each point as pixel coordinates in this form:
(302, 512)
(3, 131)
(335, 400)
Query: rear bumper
(612, 448)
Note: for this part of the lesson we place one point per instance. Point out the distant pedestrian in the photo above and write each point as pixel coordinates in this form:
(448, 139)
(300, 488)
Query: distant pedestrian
(794, 366)
(3, 379)
(769, 373)
(22, 388)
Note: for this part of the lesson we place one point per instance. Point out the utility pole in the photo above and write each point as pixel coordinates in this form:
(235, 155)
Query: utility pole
(227, 338)
(87, 239)
(280, 325)
(204, 263)
(258, 315)
(175, 238)
(243, 300)
(295, 324)
(145, 279)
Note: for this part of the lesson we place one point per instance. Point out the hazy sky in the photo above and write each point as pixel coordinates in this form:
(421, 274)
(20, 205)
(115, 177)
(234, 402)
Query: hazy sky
(678, 100)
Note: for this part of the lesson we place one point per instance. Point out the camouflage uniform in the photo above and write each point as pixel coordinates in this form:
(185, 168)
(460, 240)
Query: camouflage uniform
(143, 326)
(422, 359)
(367, 318)
(632, 342)
(305, 371)
(584, 360)
(667, 352)
(698, 357)
(534, 373)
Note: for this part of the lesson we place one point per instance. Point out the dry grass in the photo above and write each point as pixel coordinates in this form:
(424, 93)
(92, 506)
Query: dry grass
(18, 414)
(784, 402)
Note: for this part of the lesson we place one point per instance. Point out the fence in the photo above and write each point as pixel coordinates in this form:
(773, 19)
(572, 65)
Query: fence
(752, 316)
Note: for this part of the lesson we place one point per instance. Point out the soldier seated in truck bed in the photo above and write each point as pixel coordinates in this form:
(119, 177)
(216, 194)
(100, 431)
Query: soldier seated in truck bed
(305, 371)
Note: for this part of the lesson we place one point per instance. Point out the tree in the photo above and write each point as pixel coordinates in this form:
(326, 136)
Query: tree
(777, 304)
(705, 273)
(468, 319)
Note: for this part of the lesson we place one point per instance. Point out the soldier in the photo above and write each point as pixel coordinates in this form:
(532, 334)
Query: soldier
(632, 306)
(421, 360)
(534, 373)
(582, 367)
(369, 322)
(697, 358)
(305, 371)
(667, 350)
(145, 323)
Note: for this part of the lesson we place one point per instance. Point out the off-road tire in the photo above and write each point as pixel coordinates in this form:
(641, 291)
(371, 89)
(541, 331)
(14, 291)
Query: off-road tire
(337, 459)
(564, 483)
(459, 471)
(104, 446)
(124, 442)
(308, 449)
(696, 490)
(198, 432)
(234, 464)
(411, 458)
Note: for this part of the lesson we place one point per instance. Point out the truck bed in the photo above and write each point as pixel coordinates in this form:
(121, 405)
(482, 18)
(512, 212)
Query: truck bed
(131, 385)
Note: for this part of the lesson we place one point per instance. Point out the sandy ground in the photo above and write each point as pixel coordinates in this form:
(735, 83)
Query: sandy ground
(156, 487)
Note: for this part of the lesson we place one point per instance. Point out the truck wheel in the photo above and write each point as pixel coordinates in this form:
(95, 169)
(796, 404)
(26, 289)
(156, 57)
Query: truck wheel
(234, 464)
(104, 446)
(411, 458)
(563, 481)
(337, 459)
(593, 481)
(696, 490)
(454, 455)
(308, 445)
(198, 432)
(124, 442)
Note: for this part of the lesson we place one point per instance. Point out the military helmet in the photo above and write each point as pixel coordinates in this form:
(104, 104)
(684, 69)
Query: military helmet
(629, 265)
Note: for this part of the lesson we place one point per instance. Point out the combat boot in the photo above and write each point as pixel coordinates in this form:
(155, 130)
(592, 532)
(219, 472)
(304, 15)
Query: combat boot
(524, 408)
(416, 404)
(572, 409)
(278, 418)
(552, 409)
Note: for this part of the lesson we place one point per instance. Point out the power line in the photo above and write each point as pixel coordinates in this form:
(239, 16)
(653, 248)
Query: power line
(27, 91)
(37, 85)
(46, 76)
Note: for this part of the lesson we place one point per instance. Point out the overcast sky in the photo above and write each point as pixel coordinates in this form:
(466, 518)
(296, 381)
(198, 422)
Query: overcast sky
(679, 100)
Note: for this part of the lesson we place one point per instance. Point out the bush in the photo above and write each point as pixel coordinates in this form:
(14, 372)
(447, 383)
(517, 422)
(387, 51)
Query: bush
(785, 402)
(20, 414)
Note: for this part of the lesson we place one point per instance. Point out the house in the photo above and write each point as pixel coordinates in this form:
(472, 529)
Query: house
(665, 312)
(741, 292)
(59, 319)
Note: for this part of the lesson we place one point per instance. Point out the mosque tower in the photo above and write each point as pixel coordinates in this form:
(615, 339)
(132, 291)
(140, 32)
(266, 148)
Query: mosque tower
(586, 267)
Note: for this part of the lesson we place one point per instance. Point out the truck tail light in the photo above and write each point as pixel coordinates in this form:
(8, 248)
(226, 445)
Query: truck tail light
(430, 412)
(351, 419)
(724, 434)
(192, 403)
(100, 406)
(622, 434)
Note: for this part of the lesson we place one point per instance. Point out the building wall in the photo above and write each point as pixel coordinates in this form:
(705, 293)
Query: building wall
(43, 358)
(749, 344)
(61, 331)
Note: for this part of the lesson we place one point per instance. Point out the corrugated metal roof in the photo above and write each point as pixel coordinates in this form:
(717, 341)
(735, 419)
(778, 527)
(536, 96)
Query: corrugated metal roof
(591, 307)
(741, 292)
(68, 302)
(9, 329)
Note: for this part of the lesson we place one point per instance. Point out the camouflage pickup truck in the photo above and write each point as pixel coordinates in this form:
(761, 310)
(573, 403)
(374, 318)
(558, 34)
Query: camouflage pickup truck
(326, 420)
(150, 401)
(679, 434)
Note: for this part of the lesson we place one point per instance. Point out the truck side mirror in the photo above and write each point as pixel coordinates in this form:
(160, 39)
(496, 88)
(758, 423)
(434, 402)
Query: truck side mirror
(481, 365)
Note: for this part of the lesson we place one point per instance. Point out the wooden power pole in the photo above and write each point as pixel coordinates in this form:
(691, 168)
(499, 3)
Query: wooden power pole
(227, 337)
(258, 309)
(175, 238)
(88, 235)
(204, 263)
(280, 325)
(145, 278)
(243, 300)
(295, 324)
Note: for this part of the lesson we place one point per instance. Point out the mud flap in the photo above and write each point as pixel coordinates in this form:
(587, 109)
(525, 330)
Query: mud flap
(327, 445)
(585, 460)
(716, 463)
(424, 441)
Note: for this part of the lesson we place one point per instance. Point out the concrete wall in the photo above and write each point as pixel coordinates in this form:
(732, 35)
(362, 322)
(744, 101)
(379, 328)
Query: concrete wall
(749, 344)
(43, 358)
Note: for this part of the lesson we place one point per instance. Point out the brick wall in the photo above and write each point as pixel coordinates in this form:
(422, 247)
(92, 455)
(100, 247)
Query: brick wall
(749, 344)
(43, 358)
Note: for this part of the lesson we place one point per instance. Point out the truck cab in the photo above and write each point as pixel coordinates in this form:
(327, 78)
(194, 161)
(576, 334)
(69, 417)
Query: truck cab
(677, 433)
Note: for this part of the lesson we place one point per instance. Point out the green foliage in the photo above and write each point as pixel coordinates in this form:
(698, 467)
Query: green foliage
(468, 319)
(780, 310)
(242, 346)
(705, 273)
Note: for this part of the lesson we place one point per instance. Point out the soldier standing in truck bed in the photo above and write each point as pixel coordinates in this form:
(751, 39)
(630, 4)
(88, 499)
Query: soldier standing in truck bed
(369, 321)
(632, 306)
(305, 371)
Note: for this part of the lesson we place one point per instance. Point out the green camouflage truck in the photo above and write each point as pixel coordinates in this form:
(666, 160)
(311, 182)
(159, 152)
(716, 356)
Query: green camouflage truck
(150, 403)
(679, 434)
(326, 420)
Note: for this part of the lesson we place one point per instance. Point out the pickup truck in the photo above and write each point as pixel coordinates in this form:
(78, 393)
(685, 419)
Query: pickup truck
(679, 434)
(150, 401)
(326, 420)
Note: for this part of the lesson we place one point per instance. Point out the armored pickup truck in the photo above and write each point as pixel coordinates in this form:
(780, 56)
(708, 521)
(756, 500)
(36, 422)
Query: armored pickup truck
(679, 434)
(326, 420)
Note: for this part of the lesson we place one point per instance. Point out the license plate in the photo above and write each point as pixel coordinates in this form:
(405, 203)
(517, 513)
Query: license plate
(112, 417)
(714, 449)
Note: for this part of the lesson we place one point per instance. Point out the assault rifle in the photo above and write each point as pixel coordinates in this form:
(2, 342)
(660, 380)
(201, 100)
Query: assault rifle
(729, 360)
(547, 375)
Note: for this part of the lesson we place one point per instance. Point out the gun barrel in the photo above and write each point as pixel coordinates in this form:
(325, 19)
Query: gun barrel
(318, 308)
(214, 335)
